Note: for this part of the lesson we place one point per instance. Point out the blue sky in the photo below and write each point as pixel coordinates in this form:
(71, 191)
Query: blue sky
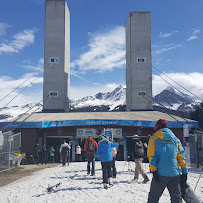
(98, 45)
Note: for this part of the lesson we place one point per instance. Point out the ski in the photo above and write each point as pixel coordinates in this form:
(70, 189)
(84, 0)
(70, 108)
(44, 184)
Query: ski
(189, 195)
(52, 188)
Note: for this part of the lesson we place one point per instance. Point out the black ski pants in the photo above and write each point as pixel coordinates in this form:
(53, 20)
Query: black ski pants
(43, 157)
(114, 167)
(106, 169)
(157, 188)
(91, 159)
(64, 158)
(37, 158)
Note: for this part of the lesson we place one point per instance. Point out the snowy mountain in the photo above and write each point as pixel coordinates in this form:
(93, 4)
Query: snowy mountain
(112, 101)
(101, 101)
(7, 113)
(174, 100)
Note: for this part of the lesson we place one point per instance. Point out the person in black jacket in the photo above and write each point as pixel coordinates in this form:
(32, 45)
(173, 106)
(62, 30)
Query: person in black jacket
(138, 155)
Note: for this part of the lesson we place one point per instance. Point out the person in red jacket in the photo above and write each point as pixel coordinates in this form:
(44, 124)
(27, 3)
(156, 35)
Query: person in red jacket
(91, 147)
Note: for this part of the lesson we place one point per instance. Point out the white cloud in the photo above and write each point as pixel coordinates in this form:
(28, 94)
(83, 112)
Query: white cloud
(75, 73)
(3, 28)
(196, 31)
(39, 67)
(9, 87)
(165, 35)
(166, 49)
(20, 41)
(194, 36)
(106, 52)
(112, 86)
(81, 91)
(190, 81)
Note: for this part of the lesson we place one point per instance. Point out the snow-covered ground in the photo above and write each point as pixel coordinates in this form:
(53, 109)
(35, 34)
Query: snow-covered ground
(78, 187)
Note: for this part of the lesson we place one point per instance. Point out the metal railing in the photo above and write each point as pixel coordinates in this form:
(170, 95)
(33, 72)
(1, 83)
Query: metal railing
(9, 144)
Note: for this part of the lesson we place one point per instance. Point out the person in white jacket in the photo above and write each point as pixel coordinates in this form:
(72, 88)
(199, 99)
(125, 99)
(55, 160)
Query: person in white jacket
(65, 152)
(78, 153)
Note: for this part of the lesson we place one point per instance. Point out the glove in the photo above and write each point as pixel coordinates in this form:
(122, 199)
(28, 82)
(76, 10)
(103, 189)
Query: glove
(156, 176)
(183, 178)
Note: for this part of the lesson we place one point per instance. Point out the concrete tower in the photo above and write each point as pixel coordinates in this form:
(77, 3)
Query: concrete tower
(138, 62)
(56, 56)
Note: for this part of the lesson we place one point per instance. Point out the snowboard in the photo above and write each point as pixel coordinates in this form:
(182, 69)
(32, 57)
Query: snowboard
(52, 188)
(188, 194)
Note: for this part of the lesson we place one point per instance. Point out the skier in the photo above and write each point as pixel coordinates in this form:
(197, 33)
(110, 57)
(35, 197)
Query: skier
(64, 150)
(166, 154)
(138, 158)
(78, 153)
(104, 150)
(91, 147)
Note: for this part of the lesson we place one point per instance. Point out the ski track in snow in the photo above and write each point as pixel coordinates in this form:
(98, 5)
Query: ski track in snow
(78, 187)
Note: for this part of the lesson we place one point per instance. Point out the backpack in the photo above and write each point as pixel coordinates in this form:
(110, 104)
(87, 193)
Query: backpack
(113, 151)
(90, 146)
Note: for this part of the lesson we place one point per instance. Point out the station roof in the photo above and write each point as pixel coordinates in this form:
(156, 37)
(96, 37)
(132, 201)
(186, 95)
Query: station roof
(130, 115)
(131, 118)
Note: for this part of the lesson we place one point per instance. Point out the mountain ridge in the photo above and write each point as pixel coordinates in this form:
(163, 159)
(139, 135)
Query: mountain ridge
(169, 100)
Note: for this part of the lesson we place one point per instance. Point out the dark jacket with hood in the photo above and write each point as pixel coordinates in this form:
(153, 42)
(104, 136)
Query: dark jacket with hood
(139, 149)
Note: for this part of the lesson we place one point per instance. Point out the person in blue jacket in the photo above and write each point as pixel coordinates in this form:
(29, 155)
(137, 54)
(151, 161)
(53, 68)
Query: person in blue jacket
(166, 156)
(104, 151)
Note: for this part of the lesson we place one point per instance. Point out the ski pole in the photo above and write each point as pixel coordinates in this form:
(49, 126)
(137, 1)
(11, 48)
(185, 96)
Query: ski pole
(197, 182)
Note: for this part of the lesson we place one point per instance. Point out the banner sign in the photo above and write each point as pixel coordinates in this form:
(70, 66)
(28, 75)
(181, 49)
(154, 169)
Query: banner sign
(85, 132)
(112, 122)
(94, 122)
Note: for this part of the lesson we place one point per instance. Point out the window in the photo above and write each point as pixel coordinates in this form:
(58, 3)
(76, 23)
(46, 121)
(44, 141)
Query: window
(141, 93)
(54, 60)
(53, 94)
(141, 60)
